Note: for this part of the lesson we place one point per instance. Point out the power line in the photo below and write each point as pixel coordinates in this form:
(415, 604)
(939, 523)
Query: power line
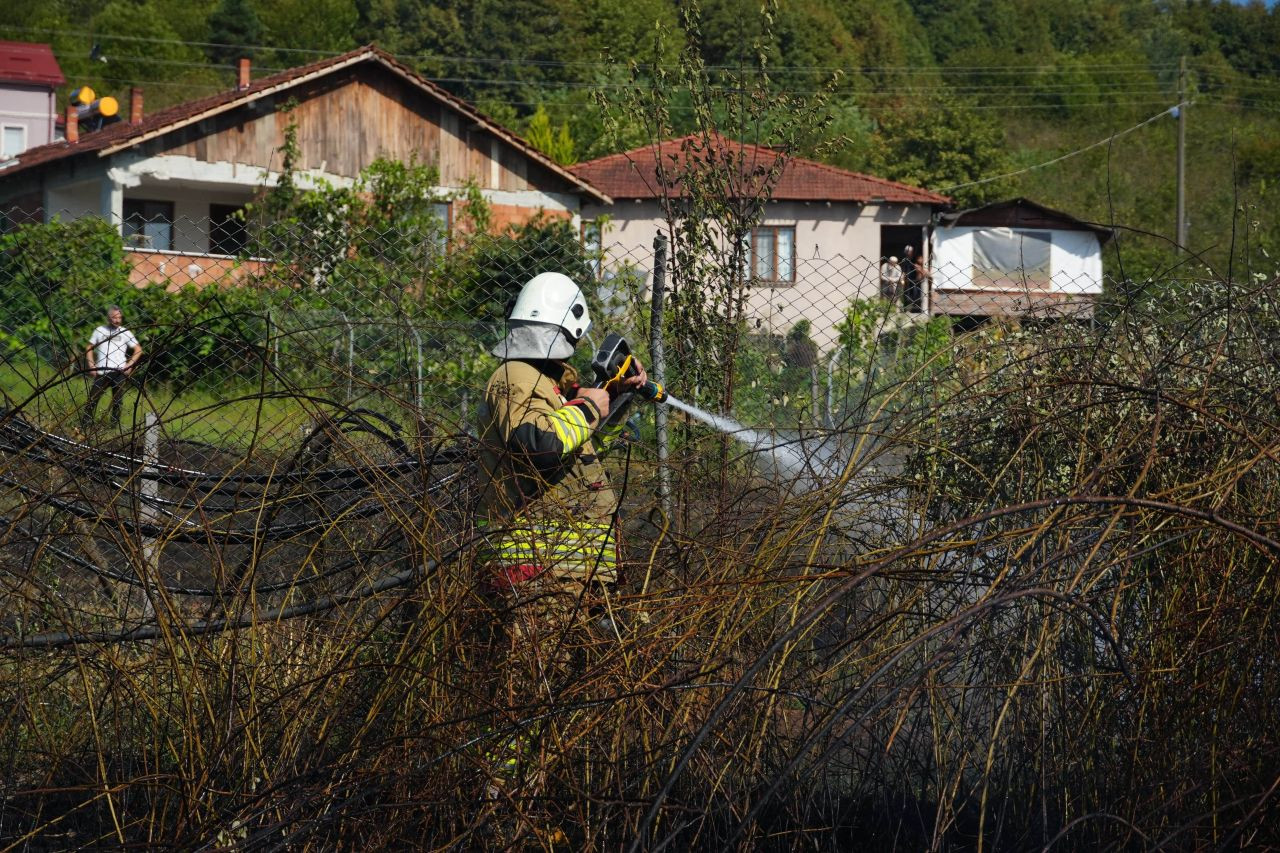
(1132, 68)
(879, 92)
(1101, 142)
(1045, 89)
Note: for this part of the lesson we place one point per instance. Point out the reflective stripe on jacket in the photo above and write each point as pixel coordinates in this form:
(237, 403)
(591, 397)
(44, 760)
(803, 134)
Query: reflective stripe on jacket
(547, 498)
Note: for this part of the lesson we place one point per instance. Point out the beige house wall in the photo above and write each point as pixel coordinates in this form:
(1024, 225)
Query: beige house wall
(837, 247)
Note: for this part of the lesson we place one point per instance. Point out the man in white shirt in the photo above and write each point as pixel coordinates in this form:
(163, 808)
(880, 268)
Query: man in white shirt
(112, 353)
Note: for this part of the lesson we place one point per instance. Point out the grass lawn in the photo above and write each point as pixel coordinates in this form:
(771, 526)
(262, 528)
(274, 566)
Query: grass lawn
(232, 416)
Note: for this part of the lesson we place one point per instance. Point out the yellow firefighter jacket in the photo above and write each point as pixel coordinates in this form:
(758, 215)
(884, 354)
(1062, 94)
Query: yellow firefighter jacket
(547, 504)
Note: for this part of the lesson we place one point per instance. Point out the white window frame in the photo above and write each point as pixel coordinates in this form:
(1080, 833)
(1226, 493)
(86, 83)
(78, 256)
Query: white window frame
(22, 145)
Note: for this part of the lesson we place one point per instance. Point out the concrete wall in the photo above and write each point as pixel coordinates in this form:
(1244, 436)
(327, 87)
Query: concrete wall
(73, 200)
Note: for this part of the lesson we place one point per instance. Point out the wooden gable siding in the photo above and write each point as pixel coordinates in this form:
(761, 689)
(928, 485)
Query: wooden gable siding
(350, 118)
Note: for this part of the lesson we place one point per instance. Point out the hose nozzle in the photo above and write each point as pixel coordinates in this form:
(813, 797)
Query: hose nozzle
(653, 391)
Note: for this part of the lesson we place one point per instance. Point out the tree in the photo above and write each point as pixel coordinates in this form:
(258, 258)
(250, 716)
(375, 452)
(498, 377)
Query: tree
(328, 25)
(140, 44)
(234, 30)
(556, 143)
(939, 143)
(493, 267)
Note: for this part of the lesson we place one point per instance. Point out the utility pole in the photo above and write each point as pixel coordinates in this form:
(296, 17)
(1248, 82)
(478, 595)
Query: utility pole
(1181, 230)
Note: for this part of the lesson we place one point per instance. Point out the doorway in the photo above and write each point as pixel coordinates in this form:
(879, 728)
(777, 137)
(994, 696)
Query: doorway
(895, 238)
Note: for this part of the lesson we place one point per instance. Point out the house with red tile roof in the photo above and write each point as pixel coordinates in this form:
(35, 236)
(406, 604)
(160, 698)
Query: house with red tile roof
(818, 246)
(29, 74)
(174, 179)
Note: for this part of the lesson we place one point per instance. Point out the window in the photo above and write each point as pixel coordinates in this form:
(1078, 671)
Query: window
(13, 142)
(1004, 258)
(227, 232)
(591, 246)
(148, 224)
(772, 255)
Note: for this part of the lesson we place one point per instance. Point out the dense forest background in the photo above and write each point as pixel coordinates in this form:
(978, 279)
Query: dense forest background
(942, 93)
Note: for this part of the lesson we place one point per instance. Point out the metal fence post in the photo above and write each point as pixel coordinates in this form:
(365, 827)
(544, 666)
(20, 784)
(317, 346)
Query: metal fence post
(272, 350)
(659, 369)
(831, 367)
(149, 490)
(815, 390)
(417, 385)
(351, 352)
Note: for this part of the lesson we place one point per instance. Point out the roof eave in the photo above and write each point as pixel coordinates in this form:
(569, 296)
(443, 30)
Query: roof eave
(1104, 233)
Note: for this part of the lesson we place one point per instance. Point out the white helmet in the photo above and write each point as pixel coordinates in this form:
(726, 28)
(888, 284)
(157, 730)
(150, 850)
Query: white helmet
(549, 318)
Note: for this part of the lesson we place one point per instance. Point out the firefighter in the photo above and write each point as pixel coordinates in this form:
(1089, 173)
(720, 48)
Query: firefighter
(548, 511)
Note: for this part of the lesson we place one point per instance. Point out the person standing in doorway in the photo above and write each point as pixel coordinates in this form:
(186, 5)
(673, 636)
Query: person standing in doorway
(891, 281)
(112, 353)
(913, 292)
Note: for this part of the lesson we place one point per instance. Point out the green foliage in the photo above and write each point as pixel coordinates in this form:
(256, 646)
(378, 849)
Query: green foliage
(137, 41)
(880, 349)
(492, 268)
(233, 30)
(556, 143)
(63, 276)
(849, 141)
(373, 261)
(59, 277)
(364, 246)
(196, 337)
(323, 25)
(942, 142)
(711, 192)
(859, 332)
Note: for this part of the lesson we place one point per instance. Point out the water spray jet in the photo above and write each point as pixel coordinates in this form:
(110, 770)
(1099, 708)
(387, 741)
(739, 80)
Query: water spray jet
(613, 363)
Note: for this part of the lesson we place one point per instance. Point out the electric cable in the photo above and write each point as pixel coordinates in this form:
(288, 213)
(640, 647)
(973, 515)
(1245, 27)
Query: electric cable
(190, 531)
(15, 425)
(1067, 156)
(600, 64)
(261, 616)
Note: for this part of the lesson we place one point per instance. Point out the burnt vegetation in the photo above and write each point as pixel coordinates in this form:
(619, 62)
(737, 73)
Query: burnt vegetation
(1032, 603)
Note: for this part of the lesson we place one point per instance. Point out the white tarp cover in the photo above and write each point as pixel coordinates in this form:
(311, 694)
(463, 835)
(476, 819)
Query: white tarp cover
(969, 258)
(1008, 258)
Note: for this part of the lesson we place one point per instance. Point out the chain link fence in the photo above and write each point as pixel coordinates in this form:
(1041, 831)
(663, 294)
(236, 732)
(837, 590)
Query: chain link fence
(398, 331)
(960, 540)
(354, 354)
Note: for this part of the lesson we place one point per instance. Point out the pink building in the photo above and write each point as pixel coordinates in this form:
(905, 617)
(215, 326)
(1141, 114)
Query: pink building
(29, 74)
